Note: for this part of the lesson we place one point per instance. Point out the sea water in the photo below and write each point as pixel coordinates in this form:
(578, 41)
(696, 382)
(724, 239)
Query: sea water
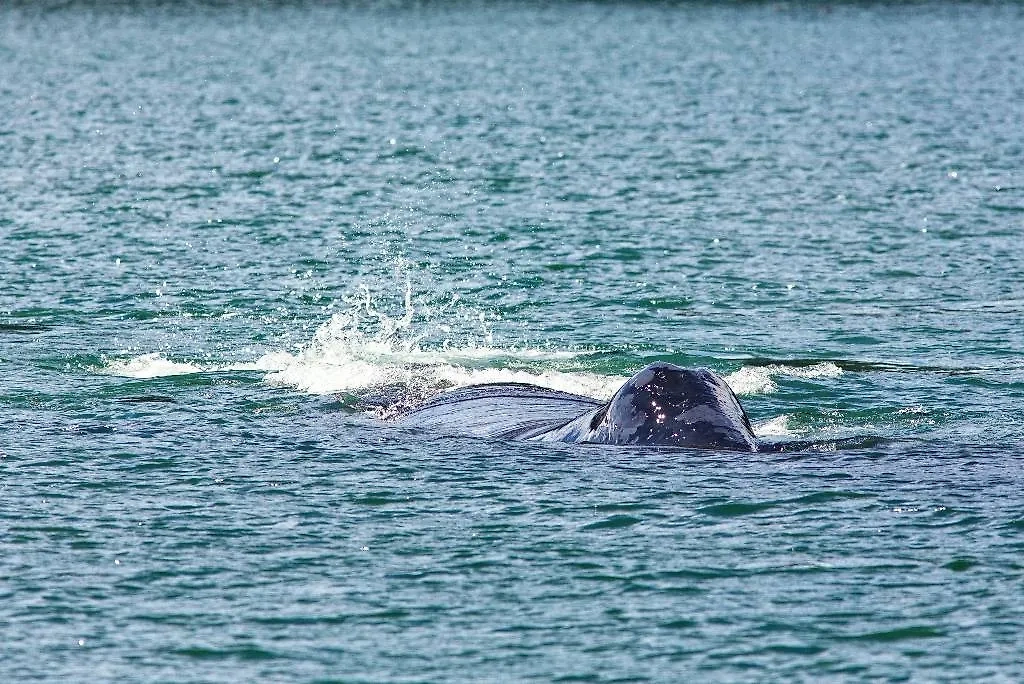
(237, 237)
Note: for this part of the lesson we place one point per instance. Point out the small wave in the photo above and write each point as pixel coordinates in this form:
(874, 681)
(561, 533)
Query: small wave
(751, 380)
(156, 365)
(152, 365)
(760, 379)
(775, 427)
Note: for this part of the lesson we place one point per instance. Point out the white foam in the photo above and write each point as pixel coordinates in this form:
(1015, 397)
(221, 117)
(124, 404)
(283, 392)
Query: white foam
(155, 365)
(826, 369)
(340, 359)
(775, 427)
(751, 380)
(343, 358)
(587, 384)
(425, 350)
(149, 366)
(759, 379)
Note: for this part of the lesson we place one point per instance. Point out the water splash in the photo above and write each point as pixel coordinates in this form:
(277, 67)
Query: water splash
(424, 348)
(751, 380)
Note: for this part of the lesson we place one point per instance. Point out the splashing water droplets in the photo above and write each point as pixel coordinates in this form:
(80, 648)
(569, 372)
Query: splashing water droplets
(426, 349)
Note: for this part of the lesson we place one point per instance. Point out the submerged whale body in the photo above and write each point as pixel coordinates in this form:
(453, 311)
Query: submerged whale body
(662, 405)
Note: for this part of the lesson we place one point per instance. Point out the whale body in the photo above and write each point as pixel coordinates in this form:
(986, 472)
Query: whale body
(662, 405)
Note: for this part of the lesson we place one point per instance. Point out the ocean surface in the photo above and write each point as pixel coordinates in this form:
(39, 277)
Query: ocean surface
(235, 237)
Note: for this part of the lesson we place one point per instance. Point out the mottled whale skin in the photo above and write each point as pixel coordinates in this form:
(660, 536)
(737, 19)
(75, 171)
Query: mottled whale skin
(662, 405)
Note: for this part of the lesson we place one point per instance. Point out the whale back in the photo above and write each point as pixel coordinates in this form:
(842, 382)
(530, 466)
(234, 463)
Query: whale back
(498, 411)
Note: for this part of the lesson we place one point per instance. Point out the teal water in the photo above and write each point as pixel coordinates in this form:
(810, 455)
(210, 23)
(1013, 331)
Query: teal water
(235, 236)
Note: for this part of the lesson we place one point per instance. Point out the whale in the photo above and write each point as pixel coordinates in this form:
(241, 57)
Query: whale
(662, 405)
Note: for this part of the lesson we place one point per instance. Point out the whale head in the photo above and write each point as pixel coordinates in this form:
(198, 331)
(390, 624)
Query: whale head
(665, 405)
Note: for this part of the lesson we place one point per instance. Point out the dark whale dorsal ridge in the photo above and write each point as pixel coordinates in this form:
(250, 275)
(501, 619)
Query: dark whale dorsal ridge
(665, 405)
(662, 405)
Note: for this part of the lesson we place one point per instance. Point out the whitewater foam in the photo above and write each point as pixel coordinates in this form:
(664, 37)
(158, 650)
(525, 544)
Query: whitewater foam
(750, 380)
(342, 358)
(152, 365)
(775, 427)
(156, 365)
